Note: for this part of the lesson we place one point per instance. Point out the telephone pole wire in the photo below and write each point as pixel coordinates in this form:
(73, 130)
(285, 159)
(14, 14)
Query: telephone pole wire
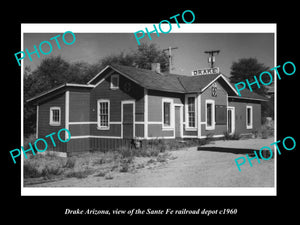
(211, 57)
(170, 56)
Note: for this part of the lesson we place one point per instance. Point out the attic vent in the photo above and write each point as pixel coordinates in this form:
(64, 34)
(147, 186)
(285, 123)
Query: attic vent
(155, 67)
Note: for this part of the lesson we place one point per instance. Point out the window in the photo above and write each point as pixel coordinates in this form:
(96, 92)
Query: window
(221, 114)
(103, 114)
(167, 113)
(55, 116)
(210, 114)
(114, 81)
(249, 117)
(191, 112)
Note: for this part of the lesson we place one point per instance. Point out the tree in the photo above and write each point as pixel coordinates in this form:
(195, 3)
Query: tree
(147, 54)
(54, 71)
(247, 68)
(141, 58)
(29, 111)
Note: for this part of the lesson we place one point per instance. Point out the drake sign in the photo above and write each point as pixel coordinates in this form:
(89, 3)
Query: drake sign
(206, 71)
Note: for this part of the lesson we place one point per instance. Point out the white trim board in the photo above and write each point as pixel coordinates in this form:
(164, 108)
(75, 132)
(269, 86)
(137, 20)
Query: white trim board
(67, 113)
(172, 114)
(94, 136)
(224, 78)
(95, 122)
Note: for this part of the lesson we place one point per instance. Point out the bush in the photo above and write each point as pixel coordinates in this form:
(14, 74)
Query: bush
(79, 174)
(162, 157)
(109, 176)
(101, 174)
(70, 163)
(31, 170)
(125, 152)
(234, 136)
(264, 133)
(30, 139)
(226, 135)
(209, 138)
(50, 171)
(124, 167)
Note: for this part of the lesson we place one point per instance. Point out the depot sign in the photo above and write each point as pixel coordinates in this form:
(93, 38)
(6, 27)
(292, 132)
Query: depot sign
(206, 71)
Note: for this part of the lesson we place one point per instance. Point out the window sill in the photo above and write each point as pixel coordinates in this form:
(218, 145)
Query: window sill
(54, 124)
(168, 128)
(249, 128)
(102, 128)
(209, 128)
(191, 129)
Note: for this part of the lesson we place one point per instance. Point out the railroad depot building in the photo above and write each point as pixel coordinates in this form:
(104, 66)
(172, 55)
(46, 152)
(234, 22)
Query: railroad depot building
(123, 103)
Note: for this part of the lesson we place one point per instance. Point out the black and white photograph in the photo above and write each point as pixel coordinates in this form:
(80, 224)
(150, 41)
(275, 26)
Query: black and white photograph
(162, 113)
(145, 112)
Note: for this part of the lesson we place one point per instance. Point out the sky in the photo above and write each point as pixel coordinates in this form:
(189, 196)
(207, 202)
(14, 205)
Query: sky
(91, 47)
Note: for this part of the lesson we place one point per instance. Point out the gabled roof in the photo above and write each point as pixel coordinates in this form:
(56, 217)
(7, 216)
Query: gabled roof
(247, 94)
(156, 81)
(58, 90)
(145, 78)
(164, 82)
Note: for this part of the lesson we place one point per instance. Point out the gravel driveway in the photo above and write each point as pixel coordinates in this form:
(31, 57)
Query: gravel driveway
(191, 168)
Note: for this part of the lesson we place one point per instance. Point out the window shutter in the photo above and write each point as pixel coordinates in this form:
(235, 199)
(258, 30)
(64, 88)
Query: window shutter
(221, 114)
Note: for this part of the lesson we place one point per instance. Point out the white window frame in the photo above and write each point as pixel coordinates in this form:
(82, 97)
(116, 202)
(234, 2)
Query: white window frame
(232, 108)
(187, 127)
(99, 127)
(118, 82)
(213, 122)
(172, 116)
(251, 117)
(51, 122)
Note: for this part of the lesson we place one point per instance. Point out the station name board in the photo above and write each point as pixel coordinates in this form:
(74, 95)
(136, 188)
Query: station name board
(206, 71)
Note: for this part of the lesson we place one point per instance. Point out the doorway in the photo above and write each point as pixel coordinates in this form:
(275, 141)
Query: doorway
(128, 119)
(178, 121)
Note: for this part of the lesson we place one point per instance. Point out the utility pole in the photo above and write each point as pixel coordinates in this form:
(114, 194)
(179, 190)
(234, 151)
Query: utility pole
(211, 58)
(170, 56)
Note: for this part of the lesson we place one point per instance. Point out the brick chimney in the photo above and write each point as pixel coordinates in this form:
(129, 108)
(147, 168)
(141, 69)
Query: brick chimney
(155, 67)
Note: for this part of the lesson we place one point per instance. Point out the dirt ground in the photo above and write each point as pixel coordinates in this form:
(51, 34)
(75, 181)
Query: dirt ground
(189, 167)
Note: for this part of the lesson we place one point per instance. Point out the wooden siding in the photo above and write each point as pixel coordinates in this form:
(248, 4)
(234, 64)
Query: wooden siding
(240, 115)
(44, 128)
(155, 130)
(44, 115)
(81, 145)
(189, 132)
(155, 103)
(139, 130)
(78, 145)
(155, 112)
(101, 144)
(103, 91)
(79, 129)
(79, 106)
(221, 99)
(114, 130)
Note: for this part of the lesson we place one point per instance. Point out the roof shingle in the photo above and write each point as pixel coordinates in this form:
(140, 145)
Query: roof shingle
(164, 82)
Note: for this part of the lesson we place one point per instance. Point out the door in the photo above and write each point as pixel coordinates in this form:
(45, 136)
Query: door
(177, 122)
(128, 118)
(230, 120)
